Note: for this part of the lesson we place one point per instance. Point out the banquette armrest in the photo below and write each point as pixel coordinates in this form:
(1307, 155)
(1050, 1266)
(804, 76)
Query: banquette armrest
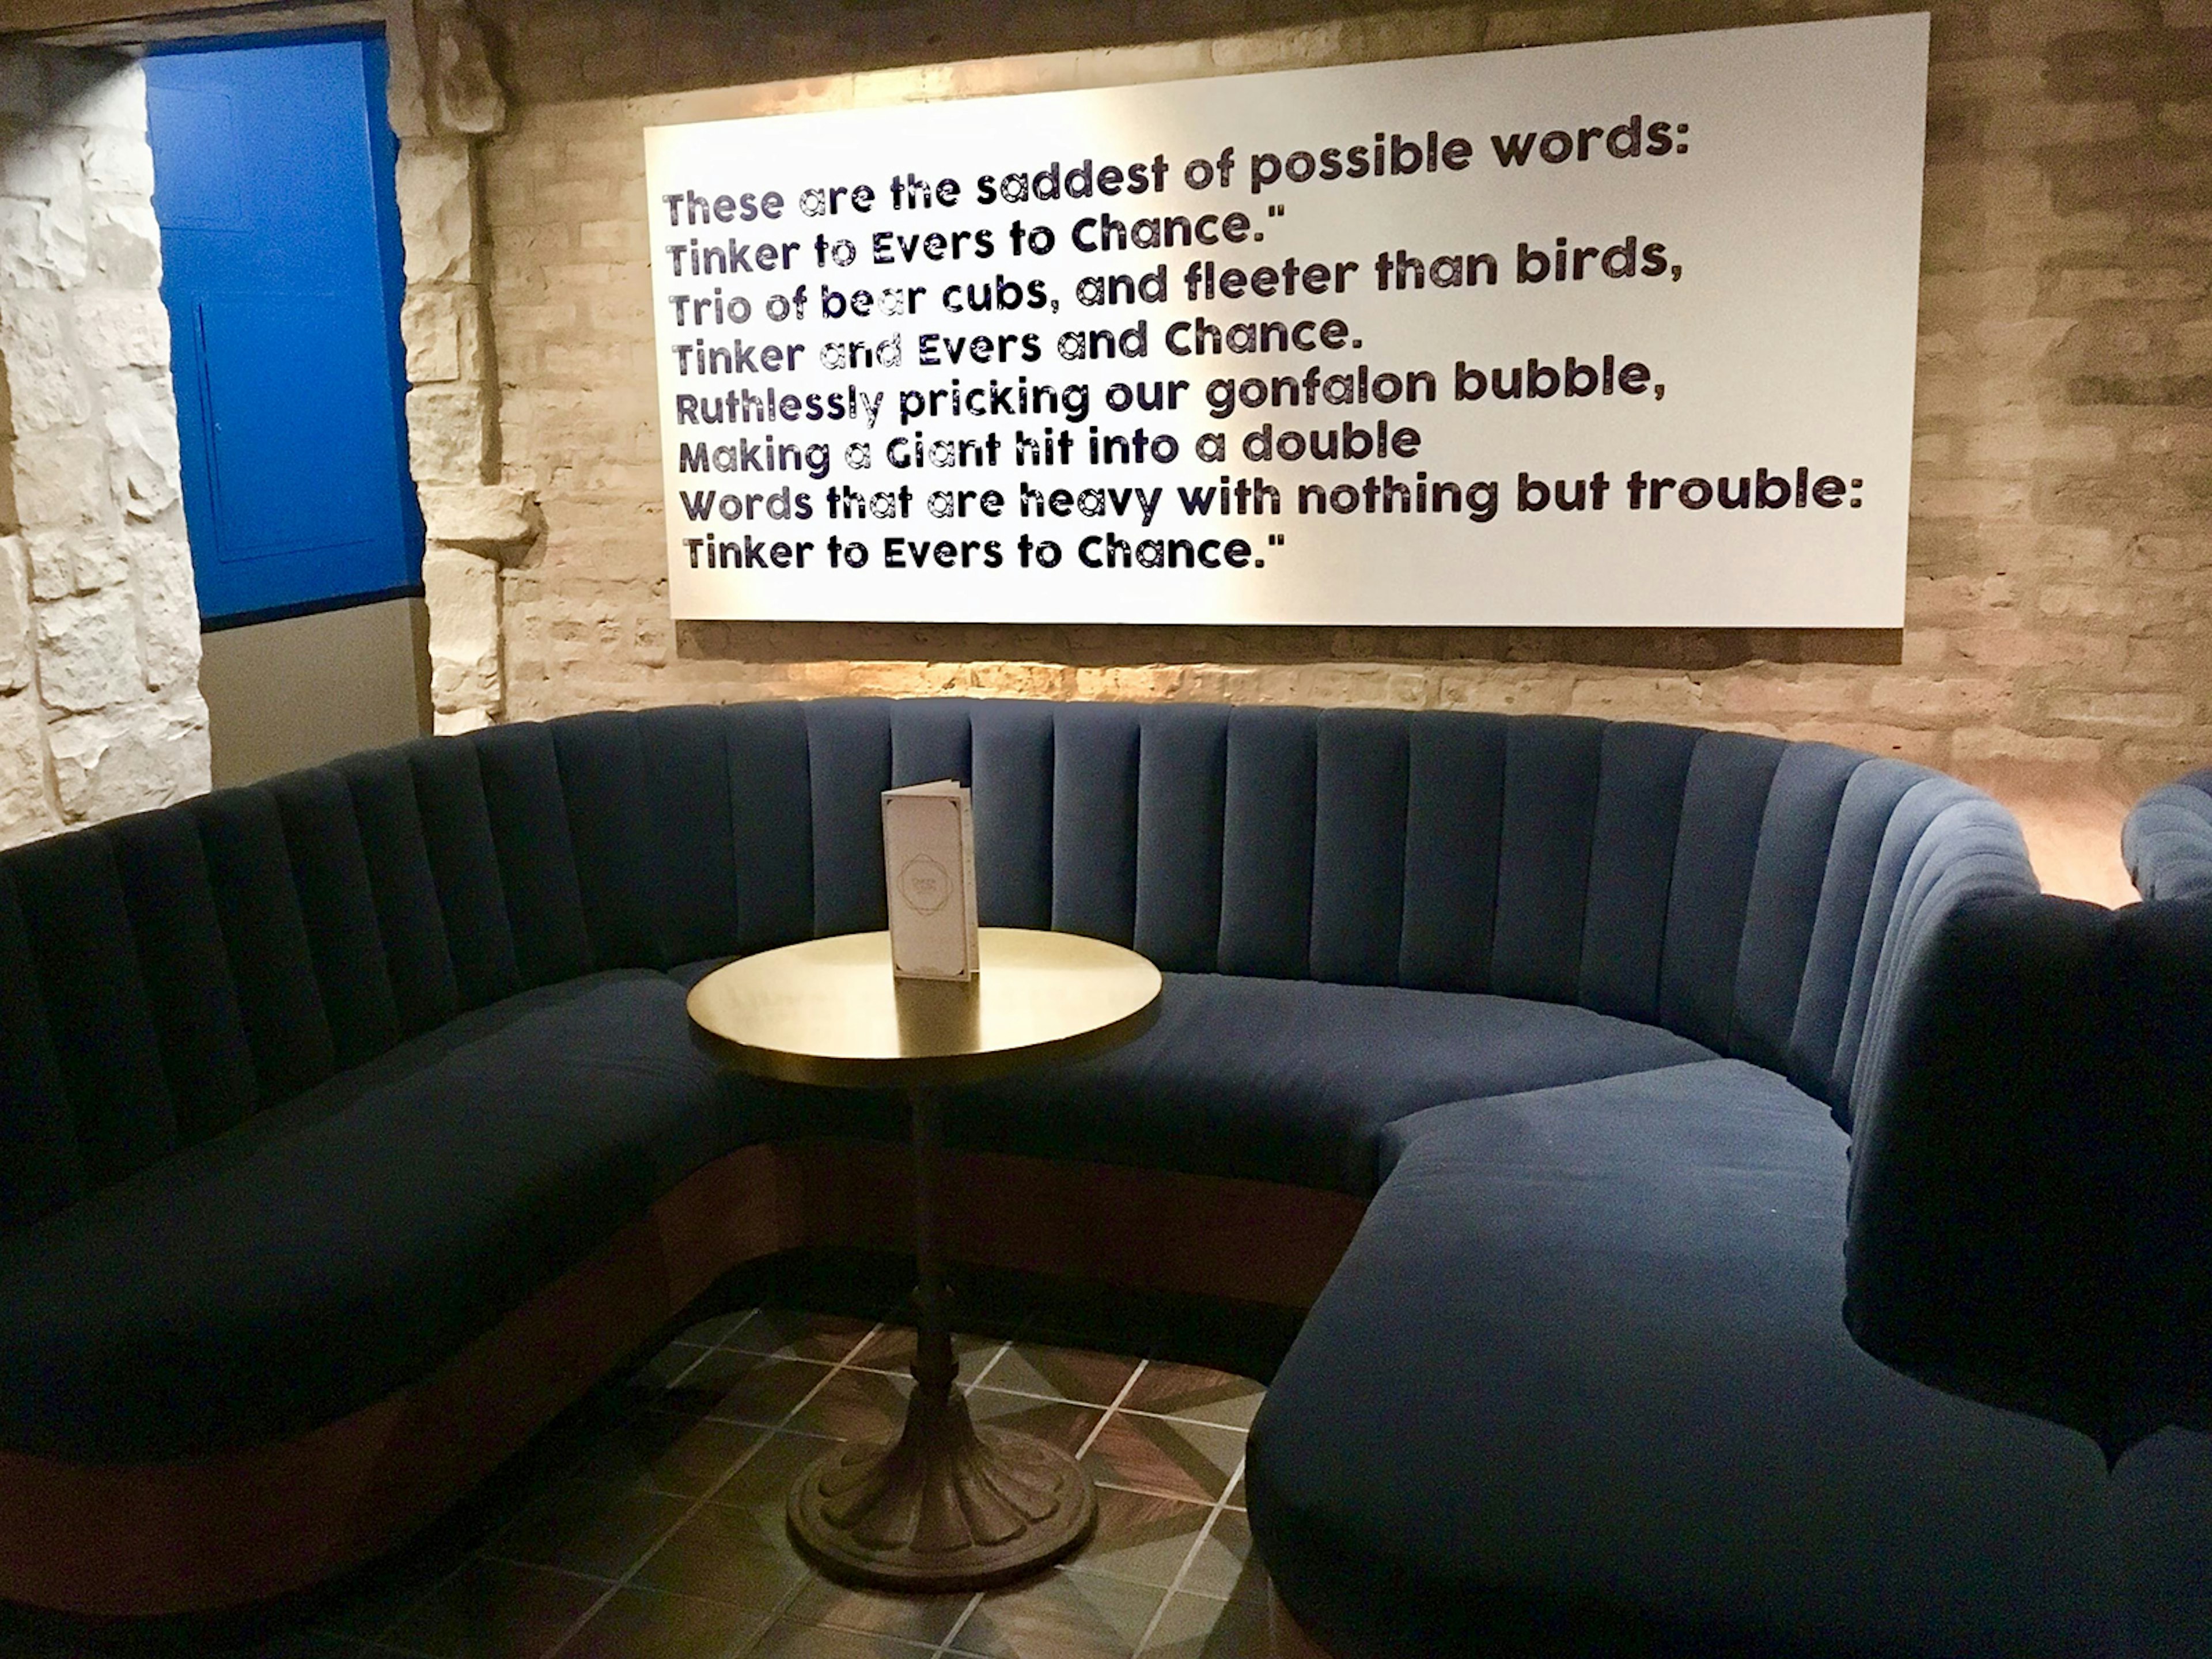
(2166, 842)
(2032, 1171)
(1983, 1231)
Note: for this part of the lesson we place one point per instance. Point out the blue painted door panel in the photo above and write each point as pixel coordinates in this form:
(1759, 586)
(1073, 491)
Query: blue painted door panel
(280, 249)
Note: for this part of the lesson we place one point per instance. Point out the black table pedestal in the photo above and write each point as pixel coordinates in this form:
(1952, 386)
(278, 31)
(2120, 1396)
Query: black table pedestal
(947, 1506)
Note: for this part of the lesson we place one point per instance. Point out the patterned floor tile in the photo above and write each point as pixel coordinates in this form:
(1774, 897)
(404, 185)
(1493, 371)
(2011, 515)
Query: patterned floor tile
(856, 1405)
(369, 1602)
(1141, 1538)
(764, 1481)
(789, 1641)
(746, 1388)
(644, 1624)
(1224, 1564)
(1197, 1394)
(776, 1334)
(891, 1349)
(496, 1610)
(285, 1645)
(741, 1556)
(1077, 1374)
(926, 1618)
(589, 1527)
(1191, 1461)
(666, 1368)
(1061, 1615)
(1247, 1627)
(1055, 1422)
(668, 1451)
(713, 1332)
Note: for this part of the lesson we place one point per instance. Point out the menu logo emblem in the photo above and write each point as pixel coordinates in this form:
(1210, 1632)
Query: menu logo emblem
(925, 885)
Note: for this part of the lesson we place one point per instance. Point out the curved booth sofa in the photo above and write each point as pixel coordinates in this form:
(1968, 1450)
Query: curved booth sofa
(2166, 841)
(1596, 1084)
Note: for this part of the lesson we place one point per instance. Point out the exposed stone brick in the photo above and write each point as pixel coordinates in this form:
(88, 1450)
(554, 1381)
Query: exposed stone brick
(2131, 709)
(88, 651)
(450, 433)
(2159, 170)
(162, 590)
(1941, 703)
(148, 754)
(48, 388)
(123, 241)
(492, 519)
(2171, 63)
(141, 424)
(28, 807)
(61, 479)
(437, 210)
(42, 244)
(2152, 390)
(1547, 25)
(100, 710)
(403, 73)
(1973, 745)
(459, 92)
(123, 329)
(18, 652)
(2032, 122)
(2157, 552)
(430, 323)
(462, 590)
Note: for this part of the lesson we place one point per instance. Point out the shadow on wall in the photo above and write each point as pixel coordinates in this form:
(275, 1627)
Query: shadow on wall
(1079, 645)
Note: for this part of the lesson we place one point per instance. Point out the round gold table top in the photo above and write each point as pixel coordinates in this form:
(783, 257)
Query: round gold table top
(828, 1011)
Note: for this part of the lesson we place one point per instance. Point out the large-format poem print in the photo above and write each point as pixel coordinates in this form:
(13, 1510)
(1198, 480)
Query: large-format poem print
(1617, 334)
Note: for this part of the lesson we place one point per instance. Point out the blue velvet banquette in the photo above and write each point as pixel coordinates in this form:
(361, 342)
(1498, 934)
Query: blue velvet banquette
(1657, 1080)
(2167, 840)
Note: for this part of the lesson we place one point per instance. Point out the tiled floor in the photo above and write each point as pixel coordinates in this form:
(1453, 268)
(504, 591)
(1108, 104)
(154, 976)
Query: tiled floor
(648, 1523)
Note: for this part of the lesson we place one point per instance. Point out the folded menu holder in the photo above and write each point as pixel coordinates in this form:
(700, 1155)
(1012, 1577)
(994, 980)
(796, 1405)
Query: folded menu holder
(929, 874)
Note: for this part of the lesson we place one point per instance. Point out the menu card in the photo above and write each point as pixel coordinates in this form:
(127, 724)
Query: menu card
(929, 874)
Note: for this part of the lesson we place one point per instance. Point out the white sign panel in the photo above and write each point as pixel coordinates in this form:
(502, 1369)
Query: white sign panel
(1592, 335)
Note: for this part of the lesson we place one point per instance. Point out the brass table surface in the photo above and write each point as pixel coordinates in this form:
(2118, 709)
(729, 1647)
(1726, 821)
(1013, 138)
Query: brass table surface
(827, 1010)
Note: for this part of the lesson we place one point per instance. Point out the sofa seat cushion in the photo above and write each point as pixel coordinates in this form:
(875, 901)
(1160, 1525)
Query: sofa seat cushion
(336, 1248)
(2161, 1488)
(1292, 1080)
(1582, 1384)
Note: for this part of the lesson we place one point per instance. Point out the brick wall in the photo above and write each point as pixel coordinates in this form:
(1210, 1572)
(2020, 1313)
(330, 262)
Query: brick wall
(2058, 637)
(100, 648)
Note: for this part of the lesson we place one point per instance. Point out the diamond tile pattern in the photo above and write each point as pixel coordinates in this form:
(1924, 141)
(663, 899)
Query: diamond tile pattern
(648, 1522)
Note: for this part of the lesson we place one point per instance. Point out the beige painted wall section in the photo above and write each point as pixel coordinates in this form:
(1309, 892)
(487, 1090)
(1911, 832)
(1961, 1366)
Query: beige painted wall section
(99, 706)
(2058, 645)
(307, 690)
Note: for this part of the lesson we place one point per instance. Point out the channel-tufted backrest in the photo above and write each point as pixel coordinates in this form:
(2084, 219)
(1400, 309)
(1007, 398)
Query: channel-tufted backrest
(170, 973)
(2167, 840)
